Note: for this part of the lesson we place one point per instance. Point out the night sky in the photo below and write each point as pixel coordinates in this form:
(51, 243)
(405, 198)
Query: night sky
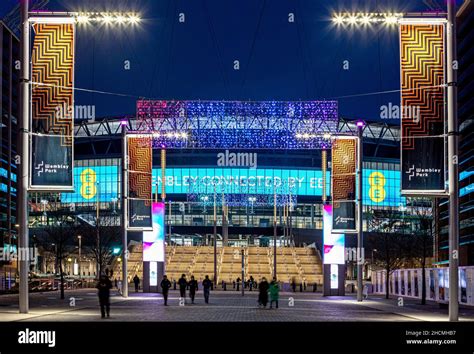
(278, 60)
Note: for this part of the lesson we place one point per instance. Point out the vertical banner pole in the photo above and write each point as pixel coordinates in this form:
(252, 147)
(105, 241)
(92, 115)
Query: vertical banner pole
(274, 232)
(243, 271)
(453, 171)
(24, 168)
(124, 211)
(360, 236)
(324, 164)
(215, 238)
(163, 199)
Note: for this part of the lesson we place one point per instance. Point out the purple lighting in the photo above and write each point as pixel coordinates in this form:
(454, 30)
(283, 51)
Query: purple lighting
(238, 124)
(123, 122)
(360, 123)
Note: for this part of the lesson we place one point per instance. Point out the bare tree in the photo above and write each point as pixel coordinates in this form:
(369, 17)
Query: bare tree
(390, 240)
(423, 238)
(57, 239)
(99, 241)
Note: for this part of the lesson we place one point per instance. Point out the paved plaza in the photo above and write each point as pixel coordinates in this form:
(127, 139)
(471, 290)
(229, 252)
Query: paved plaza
(82, 305)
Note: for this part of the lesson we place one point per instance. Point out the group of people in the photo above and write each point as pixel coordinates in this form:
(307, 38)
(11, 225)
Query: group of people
(265, 289)
(192, 285)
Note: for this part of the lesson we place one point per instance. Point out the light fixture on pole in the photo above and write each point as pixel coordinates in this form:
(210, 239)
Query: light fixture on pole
(124, 207)
(22, 204)
(360, 236)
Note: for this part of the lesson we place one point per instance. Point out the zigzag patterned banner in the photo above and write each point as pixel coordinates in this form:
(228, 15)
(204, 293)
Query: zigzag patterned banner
(139, 172)
(422, 74)
(52, 102)
(343, 184)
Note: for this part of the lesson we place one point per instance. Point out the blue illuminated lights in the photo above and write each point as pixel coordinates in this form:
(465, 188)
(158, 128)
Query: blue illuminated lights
(245, 200)
(238, 124)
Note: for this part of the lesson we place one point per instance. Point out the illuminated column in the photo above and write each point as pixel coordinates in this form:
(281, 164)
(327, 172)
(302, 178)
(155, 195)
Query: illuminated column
(163, 174)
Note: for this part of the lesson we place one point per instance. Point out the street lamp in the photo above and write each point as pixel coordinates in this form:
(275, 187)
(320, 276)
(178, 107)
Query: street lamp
(360, 237)
(449, 18)
(79, 238)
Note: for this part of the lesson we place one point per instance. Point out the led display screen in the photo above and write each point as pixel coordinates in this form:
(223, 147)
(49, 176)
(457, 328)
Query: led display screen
(154, 241)
(333, 244)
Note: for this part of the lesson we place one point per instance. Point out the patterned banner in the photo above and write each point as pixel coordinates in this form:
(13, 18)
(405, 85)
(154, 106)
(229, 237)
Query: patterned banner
(139, 172)
(343, 184)
(52, 100)
(422, 59)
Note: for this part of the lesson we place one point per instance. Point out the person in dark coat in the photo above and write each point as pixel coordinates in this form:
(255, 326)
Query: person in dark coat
(193, 287)
(104, 285)
(136, 281)
(250, 283)
(293, 284)
(238, 283)
(182, 282)
(174, 284)
(206, 286)
(263, 293)
(165, 287)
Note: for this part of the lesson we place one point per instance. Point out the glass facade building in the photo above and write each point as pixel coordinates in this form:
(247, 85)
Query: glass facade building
(9, 104)
(465, 52)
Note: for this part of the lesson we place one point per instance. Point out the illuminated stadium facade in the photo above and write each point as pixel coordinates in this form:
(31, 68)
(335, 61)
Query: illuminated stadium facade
(193, 174)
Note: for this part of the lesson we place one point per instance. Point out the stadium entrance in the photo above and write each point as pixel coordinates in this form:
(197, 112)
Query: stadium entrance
(237, 128)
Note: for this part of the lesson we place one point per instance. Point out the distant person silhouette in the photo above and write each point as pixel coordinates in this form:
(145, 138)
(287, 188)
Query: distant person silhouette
(136, 281)
(193, 287)
(263, 293)
(182, 282)
(165, 287)
(274, 292)
(206, 287)
(104, 285)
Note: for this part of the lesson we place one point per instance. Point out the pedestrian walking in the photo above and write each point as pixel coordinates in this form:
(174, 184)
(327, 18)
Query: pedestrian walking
(293, 285)
(104, 287)
(233, 284)
(301, 287)
(274, 292)
(182, 286)
(250, 283)
(206, 287)
(174, 284)
(193, 287)
(136, 281)
(263, 293)
(165, 287)
(119, 286)
(238, 283)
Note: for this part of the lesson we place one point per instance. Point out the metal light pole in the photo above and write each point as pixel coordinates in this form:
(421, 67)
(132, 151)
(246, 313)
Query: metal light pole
(453, 171)
(23, 241)
(360, 236)
(243, 271)
(215, 239)
(124, 206)
(97, 227)
(79, 237)
(274, 235)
